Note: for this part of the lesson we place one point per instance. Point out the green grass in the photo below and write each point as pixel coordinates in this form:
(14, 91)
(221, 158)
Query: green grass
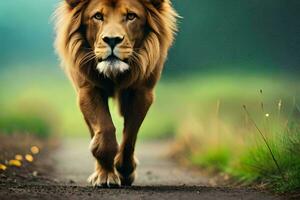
(25, 123)
(216, 157)
(279, 166)
(259, 143)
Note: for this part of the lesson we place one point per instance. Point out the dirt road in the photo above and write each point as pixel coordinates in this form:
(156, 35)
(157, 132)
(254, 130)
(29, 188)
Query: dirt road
(159, 178)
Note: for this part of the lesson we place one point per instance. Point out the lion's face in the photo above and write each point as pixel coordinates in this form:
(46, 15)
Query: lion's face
(114, 29)
(114, 36)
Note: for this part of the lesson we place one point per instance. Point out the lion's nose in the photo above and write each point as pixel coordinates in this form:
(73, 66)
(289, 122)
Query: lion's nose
(113, 41)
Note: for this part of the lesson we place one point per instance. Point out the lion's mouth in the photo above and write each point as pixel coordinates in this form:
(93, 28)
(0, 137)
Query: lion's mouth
(112, 66)
(112, 58)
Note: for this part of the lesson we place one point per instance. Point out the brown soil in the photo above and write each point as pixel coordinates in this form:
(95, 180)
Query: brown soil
(41, 169)
(60, 173)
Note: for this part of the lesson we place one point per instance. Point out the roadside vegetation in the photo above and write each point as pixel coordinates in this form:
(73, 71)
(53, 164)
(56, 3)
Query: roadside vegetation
(255, 140)
(23, 122)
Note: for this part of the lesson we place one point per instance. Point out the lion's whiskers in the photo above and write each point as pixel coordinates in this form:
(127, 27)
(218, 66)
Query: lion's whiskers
(88, 57)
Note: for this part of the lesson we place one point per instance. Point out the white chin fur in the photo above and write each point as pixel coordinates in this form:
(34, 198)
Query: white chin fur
(112, 68)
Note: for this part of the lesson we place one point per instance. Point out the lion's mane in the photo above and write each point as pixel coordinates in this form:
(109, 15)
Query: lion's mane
(73, 49)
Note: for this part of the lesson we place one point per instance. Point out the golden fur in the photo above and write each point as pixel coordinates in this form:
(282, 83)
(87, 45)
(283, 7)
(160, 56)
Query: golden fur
(114, 48)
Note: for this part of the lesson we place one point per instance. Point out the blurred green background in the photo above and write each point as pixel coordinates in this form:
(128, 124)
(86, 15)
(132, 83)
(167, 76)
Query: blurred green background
(224, 51)
(227, 54)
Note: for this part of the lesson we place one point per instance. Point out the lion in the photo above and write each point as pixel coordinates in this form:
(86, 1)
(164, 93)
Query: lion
(114, 48)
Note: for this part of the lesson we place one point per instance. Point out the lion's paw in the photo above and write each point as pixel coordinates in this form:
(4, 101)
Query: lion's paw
(126, 171)
(128, 179)
(104, 179)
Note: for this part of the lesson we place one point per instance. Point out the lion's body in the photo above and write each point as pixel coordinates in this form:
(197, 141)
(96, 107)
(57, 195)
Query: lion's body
(140, 59)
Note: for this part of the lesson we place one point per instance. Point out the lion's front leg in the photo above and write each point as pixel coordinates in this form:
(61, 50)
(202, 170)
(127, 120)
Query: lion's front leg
(134, 105)
(104, 147)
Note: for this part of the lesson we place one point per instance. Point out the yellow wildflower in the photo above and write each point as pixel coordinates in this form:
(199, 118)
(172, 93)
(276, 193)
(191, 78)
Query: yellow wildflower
(34, 149)
(15, 163)
(19, 157)
(3, 167)
(29, 157)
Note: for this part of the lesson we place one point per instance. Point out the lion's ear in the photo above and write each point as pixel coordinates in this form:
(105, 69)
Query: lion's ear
(156, 3)
(73, 3)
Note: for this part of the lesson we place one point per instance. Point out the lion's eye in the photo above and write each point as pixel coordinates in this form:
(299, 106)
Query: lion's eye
(98, 16)
(131, 16)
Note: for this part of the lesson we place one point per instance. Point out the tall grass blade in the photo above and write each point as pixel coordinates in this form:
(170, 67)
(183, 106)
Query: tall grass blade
(266, 142)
